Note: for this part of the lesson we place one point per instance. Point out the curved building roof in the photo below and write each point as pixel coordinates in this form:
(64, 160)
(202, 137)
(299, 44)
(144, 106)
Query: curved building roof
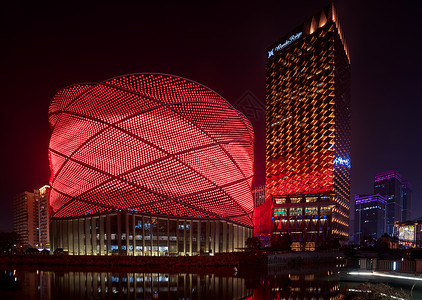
(149, 143)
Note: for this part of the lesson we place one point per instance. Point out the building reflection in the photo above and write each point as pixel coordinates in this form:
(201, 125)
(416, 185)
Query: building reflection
(275, 282)
(82, 285)
(108, 285)
(279, 282)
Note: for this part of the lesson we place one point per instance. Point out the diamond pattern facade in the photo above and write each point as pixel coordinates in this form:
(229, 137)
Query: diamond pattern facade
(149, 143)
(308, 133)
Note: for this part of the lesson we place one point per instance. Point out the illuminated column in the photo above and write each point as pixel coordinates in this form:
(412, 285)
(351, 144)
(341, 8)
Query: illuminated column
(81, 234)
(190, 236)
(217, 237)
(235, 237)
(212, 245)
(151, 231)
(52, 237)
(119, 232)
(69, 236)
(87, 237)
(78, 237)
(224, 237)
(143, 235)
(168, 235)
(198, 237)
(127, 232)
(93, 236)
(207, 236)
(101, 225)
(60, 234)
(184, 238)
(75, 239)
(108, 229)
(243, 236)
(133, 233)
(230, 237)
(177, 236)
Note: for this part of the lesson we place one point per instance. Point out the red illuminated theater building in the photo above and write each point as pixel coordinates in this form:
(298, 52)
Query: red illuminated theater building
(307, 136)
(149, 164)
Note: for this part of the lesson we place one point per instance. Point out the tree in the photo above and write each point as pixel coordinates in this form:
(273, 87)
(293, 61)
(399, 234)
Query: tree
(8, 241)
(253, 243)
(383, 242)
(283, 242)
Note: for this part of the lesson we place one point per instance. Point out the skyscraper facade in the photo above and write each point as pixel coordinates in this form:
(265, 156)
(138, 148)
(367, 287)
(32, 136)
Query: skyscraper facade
(42, 195)
(24, 218)
(397, 191)
(369, 217)
(31, 218)
(308, 134)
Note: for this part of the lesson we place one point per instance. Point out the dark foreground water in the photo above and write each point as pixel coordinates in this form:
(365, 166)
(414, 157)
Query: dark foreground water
(307, 282)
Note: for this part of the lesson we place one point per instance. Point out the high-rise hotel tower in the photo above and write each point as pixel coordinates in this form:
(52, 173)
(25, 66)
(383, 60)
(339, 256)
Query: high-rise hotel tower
(307, 135)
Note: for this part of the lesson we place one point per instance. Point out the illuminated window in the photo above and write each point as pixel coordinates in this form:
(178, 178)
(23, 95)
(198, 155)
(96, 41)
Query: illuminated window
(280, 211)
(296, 211)
(312, 211)
(324, 210)
(311, 199)
(325, 198)
(295, 199)
(281, 200)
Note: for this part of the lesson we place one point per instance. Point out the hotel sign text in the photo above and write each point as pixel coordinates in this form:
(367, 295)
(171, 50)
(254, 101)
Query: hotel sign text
(285, 44)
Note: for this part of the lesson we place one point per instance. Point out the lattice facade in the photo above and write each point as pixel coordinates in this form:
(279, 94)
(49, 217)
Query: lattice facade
(308, 131)
(149, 143)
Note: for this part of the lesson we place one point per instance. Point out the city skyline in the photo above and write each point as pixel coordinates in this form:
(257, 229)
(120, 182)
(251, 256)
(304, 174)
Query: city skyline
(222, 46)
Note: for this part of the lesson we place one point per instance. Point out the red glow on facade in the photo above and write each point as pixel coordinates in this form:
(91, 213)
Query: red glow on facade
(149, 143)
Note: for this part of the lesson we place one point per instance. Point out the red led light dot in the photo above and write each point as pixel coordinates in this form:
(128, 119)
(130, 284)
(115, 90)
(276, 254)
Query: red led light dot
(149, 143)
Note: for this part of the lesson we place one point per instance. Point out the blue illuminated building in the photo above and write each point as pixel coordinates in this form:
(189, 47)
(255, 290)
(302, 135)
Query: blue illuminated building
(398, 195)
(370, 221)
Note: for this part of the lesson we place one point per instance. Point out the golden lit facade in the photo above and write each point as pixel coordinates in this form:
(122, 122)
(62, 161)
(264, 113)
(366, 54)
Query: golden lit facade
(308, 134)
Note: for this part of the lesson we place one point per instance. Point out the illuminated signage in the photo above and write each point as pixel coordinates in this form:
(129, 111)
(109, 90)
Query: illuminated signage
(407, 233)
(285, 44)
(342, 161)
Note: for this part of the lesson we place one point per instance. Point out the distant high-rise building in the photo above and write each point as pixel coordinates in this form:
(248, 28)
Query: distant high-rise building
(308, 135)
(31, 218)
(24, 218)
(391, 185)
(43, 217)
(406, 193)
(370, 211)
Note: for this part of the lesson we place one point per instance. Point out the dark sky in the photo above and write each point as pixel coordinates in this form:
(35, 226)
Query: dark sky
(45, 47)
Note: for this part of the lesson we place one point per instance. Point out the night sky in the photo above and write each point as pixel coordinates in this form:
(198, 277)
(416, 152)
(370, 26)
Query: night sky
(46, 47)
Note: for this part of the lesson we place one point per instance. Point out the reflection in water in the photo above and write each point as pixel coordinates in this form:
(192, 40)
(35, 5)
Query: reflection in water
(274, 282)
(308, 282)
(317, 282)
(108, 285)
